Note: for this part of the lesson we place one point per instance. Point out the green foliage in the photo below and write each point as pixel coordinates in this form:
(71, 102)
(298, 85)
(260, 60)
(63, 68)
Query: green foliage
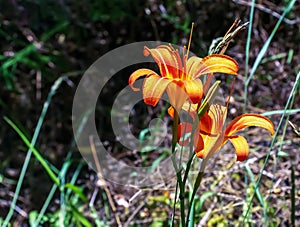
(31, 55)
(35, 47)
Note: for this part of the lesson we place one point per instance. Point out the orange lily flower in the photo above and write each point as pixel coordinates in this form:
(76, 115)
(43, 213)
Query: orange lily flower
(210, 136)
(179, 77)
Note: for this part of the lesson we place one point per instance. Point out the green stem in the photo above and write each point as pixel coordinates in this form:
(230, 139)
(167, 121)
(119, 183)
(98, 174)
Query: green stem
(178, 172)
(196, 186)
(247, 52)
(191, 155)
(188, 167)
(175, 131)
(293, 193)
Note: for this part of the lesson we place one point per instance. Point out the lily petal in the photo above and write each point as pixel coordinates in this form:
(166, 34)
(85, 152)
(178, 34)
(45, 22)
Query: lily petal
(198, 142)
(177, 94)
(215, 63)
(153, 88)
(247, 120)
(168, 60)
(137, 74)
(192, 66)
(184, 128)
(212, 144)
(194, 90)
(188, 107)
(241, 147)
(206, 124)
(218, 113)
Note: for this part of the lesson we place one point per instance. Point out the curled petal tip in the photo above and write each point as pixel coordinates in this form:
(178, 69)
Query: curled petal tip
(136, 75)
(241, 147)
(247, 120)
(218, 63)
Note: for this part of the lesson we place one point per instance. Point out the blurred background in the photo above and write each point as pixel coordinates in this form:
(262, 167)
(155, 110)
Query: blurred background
(44, 40)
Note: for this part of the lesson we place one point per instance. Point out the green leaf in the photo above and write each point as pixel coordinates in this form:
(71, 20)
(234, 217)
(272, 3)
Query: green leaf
(79, 216)
(202, 199)
(77, 191)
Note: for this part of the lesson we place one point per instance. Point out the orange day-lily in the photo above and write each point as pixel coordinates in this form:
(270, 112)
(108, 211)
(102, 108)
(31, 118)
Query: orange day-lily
(179, 77)
(210, 136)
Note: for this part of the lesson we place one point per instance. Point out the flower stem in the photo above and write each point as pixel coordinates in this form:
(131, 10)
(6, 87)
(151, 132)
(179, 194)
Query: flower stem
(196, 186)
(175, 131)
(178, 172)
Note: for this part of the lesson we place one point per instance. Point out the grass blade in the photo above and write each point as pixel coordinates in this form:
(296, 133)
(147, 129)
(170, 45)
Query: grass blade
(273, 112)
(257, 191)
(54, 87)
(34, 151)
(264, 49)
(294, 88)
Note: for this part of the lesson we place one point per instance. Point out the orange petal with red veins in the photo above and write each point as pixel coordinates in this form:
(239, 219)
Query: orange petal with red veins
(247, 120)
(153, 88)
(241, 147)
(205, 124)
(184, 128)
(194, 90)
(177, 94)
(218, 114)
(168, 60)
(212, 144)
(192, 66)
(198, 141)
(216, 63)
(137, 74)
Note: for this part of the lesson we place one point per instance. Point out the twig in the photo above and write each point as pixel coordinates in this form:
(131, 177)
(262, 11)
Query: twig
(267, 10)
(206, 216)
(100, 176)
(135, 212)
(219, 45)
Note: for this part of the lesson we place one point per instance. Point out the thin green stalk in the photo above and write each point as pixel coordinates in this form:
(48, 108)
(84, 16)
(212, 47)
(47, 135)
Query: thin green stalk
(36, 133)
(178, 172)
(188, 167)
(273, 112)
(190, 221)
(34, 151)
(45, 206)
(54, 188)
(212, 92)
(195, 189)
(296, 84)
(293, 196)
(257, 192)
(175, 131)
(174, 205)
(191, 155)
(74, 177)
(29, 152)
(248, 41)
(281, 142)
(265, 48)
